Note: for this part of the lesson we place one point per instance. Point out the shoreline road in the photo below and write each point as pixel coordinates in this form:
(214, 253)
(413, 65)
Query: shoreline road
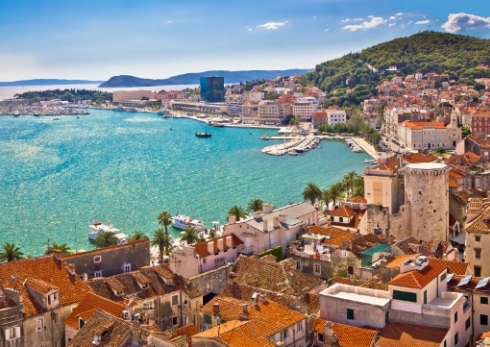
(366, 146)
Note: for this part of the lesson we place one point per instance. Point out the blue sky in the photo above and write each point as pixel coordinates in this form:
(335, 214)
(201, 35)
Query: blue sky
(97, 39)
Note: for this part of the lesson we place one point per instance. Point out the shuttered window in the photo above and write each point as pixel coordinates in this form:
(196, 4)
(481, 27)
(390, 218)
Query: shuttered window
(404, 296)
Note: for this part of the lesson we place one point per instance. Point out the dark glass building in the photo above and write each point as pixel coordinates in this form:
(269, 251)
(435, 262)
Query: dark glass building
(213, 89)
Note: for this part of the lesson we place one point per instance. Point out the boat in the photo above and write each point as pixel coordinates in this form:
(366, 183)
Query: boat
(16, 114)
(203, 134)
(265, 137)
(162, 112)
(293, 152)
(98, 228)
(183, 222)
(356, 149)
(216, 124)
(370, 161)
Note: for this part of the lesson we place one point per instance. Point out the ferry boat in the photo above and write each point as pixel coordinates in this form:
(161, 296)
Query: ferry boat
(183, 222)
(203, 134)
(98, 228)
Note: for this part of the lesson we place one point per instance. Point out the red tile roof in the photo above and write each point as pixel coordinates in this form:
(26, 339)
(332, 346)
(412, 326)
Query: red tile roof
(399, 334)
(348, 336)
(453, 266)
(202, 247)
(418, 278)
(342, 211)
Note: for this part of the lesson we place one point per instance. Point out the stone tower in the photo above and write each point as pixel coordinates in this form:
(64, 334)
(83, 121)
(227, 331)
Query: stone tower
(427, 200)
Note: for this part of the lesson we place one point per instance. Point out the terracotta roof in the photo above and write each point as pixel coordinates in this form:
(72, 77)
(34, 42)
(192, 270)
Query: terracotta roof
(421, 125)
(470, 287)
(336, 236)
(348, 336)
(418, 278)
(398, 261)
(45, 269)
(480, 224)
(399, 334)
(453, 266)
(342, 211)
(202, 247)
(361, 244)
(358, 199)
(119, 331)
(237, 334)
(374, 282)
(89, 304)
(187, 330)
(320, 114)
(274, 276)
(418, 158)
(462, 197)
(105, 249)
(40, 285)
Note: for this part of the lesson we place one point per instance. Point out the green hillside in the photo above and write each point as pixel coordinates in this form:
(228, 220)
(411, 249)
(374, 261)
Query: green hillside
(456, 55)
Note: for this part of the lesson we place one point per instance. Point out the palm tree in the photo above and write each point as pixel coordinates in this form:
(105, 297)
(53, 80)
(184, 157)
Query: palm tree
(9, 252)
(190, 236)
(312, 192)
(63, 248)
(336, 190)
(138, 235)
(165, 219)
(212, 233)
(326, 197)
(255, 205)
(237, 211)
(358, 188)
(106, 239)
(163, 241)
(348, 181)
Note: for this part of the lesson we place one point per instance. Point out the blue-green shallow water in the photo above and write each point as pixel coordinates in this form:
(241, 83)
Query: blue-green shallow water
(56, 176)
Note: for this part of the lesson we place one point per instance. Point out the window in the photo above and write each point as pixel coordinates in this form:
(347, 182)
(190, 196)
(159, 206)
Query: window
(317, 269)
(54, 316)
(425, 298)
(299, 265)
(12, 333)
(477, 253)
(350, 313)
(285, 333)
(299, 326)
(98, 273)
(175, 300)
(273, 337)
(484, 300)
(119, 292)
(467, 324)
(149, 305)
(320, 337)
(175, 320)
(81, 323)
(477, 238)
(127, 267)
(207, 319)
(477, 271)
(186, 302)
(204, 260)
(39, 324)
(483, 319)
(404, 296)
(456, 339)
(443, 276)
(341, 219)
(455, 317)
(97, 259)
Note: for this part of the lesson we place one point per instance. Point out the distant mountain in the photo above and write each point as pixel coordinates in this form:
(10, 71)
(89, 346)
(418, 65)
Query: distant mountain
(45, 82)
(428, 51)
(193, 78)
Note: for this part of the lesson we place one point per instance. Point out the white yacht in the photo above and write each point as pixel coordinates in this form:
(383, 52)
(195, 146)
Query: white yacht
(183, 222)
(98, 228)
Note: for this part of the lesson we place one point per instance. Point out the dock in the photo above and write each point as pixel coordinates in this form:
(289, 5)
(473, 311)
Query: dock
(293, 145)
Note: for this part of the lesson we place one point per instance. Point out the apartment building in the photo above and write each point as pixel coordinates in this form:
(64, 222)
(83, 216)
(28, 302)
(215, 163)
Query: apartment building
(120, 96)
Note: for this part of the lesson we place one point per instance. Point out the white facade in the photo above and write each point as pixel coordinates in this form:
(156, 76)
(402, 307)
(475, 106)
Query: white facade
(432, 135)
(336, 117)
(125, 95)
(305, 107)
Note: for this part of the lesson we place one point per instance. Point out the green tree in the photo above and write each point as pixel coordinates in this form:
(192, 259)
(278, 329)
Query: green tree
(466, 131)
(255, 205)
(63, 248)
(358, 186)
(190, 236)
(138, 235)
(9, 253)
(312, 193)
(336, 191)
(295, 119)
(163, 241)
(326, 197)
(106, 239)
(165, 220)
(237, 211)
(348, 181)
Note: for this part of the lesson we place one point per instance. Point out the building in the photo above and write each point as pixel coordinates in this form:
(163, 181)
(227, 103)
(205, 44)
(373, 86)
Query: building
(305, 107)
(271, 228)
(336, 116)
(190, 260)
(120, 96)
(477, 253)
(212, 89)
(329, 334)
(420, 135)
(319, 119)
(110, 261)
(269, 111)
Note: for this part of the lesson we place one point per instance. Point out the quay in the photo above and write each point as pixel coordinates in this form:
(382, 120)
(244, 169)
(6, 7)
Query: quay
(366, 146)
(295, 144)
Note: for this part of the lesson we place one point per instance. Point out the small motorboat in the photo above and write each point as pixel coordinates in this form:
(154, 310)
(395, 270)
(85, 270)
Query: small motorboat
(203, 134)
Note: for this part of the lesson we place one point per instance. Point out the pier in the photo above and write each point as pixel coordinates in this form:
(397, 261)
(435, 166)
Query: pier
(296, 144)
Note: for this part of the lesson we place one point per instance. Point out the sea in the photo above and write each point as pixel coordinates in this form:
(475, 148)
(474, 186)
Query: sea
(58, 174)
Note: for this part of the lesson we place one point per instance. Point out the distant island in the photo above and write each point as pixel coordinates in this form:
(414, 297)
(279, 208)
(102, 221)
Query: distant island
(193, 77)
(45, 82)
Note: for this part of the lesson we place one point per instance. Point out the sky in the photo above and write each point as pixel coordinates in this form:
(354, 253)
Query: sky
(98, 39)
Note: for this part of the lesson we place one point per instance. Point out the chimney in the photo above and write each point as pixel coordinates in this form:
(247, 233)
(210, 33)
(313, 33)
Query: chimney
(231, 219)
(220, 244)
(330, 339)
(257, 214)
(229, 241)
(245, 309)
(216, 308)
(256, 297)
(265, 225)
(211, 247)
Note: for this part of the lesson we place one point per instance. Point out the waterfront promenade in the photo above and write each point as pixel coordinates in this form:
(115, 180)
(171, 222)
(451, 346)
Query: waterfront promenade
(366, 146)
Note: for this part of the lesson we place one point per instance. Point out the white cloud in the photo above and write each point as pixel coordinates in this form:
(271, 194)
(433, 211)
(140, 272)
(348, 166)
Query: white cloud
(465, 21)
(409, 22)
(422, 22)
(170, 21)
(371, 16)
(272, 25)
(373, 23)
(391, 24)
(351, 20)
(326, 30)
(399, 14)
(392, 18)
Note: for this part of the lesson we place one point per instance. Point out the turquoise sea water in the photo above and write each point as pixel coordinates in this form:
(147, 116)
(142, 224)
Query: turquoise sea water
(56, 176)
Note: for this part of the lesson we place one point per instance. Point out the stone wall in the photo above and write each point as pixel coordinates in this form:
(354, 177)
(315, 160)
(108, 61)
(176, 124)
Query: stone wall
(212, 281)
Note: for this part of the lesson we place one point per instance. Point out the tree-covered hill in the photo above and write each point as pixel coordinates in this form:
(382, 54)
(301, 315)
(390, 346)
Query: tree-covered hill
(429, 51)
